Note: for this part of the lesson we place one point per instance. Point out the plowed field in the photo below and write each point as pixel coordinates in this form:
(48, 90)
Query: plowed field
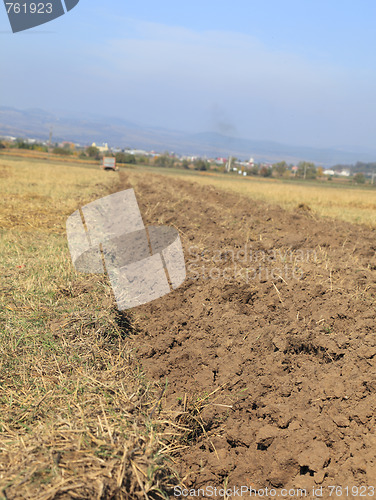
(270, 342)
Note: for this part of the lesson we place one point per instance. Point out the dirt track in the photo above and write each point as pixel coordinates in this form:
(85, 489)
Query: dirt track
(289, 346)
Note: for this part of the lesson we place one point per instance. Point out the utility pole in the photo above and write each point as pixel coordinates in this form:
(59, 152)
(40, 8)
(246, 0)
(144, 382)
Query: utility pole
(373, 175)
(228, 164)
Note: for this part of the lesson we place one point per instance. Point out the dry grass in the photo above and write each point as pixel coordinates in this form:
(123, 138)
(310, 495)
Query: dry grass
(78, 418)
(352, 204)
(39, 196)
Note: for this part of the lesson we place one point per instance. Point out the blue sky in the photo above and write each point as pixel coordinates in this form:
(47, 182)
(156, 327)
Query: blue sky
(302, 72)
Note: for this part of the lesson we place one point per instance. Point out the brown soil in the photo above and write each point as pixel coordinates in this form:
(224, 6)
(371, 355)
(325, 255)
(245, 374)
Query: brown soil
(276, 364)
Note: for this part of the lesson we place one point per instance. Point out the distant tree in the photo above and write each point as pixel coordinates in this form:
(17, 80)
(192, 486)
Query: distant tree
(142, 160)
(125, 158)
(320, 171)
(200, 164)
(280, 168)
(21, 144)
(163, 161)
(359, 178)
(31, 146)
(2, 145)
(265, 171)
(254, 170)
(40, 147)
(307, 170)
(93, 152)
(70, 146)
(185, 163)
(62, 151)
(82, 155)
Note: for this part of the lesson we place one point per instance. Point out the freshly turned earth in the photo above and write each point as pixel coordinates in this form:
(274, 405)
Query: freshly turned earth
(290, 351)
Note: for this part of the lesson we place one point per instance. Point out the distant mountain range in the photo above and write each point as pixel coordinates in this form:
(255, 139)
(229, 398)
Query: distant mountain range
(36, 123)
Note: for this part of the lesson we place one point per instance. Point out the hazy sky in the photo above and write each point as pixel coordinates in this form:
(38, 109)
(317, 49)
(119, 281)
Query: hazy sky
(296, 71)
